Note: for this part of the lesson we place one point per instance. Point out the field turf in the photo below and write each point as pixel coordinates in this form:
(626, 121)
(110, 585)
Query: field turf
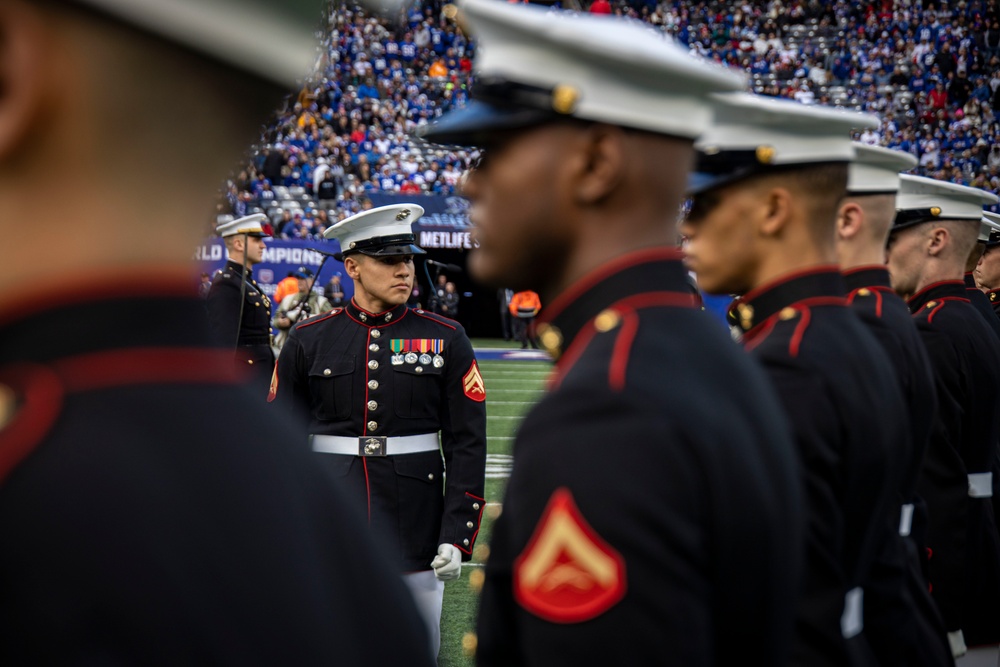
(512, 387)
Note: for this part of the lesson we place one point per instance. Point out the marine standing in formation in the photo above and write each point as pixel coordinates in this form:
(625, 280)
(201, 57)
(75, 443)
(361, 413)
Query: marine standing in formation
(377, 383)
(904, 626)
(769, 177)
(934, 230)
(630, 504)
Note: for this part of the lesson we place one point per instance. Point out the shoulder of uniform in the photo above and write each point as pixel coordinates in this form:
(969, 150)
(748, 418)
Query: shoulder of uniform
(318, 319)
(437, 319)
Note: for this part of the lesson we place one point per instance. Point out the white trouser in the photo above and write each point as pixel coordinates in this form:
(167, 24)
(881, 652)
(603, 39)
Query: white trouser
(984, 656)
(428, 593)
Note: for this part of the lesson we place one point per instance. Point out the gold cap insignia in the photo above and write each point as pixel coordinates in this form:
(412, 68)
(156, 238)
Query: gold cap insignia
(935, 211)
(353, 244)
(564, 99)
(403, 215)
(449, 11)
(765, 154)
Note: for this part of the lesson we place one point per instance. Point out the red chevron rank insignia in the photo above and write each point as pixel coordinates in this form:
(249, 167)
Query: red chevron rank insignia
(567, 573)
(473, 383)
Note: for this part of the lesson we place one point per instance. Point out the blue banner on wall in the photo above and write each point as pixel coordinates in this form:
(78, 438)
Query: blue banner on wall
(281, 257)
(445, 223)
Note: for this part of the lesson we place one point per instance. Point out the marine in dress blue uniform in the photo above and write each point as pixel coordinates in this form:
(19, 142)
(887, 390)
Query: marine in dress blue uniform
(629, 496)
(987, 272)
(769, 177)
(238, 310)
(977, 298)
(902, 624)
(935, 227)
(152, 512)
(377, 389)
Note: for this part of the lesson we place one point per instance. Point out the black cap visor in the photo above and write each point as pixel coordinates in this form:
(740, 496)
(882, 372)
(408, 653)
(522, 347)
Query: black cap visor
(473, 124)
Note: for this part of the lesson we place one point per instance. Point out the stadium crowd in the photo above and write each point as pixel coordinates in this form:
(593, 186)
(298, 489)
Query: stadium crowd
(930, 70)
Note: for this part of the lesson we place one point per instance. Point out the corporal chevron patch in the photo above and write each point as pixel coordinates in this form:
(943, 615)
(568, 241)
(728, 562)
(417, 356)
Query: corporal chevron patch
(473, 383)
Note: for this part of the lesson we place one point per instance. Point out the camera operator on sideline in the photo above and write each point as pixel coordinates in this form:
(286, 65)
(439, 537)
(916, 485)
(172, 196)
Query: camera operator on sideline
(296, 307)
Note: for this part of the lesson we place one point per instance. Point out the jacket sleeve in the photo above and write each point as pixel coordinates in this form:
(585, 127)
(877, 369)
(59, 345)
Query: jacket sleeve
(463, 440)
(223, 305)
(289, 384)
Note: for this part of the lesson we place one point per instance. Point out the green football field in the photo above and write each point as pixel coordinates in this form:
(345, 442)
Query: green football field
(512, 387)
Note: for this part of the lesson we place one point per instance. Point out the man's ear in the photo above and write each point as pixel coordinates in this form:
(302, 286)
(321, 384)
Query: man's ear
(351, 266)
(776, 211)
(24, 51)
(937, 240)
(850, 217)
(603, 165)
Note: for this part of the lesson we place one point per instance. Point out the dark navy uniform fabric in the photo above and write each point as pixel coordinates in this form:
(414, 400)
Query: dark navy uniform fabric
(902, 624)
(340, 371)
(849, 422)
(675, 454)
(153, 512)
(993, 296)
(965, 550)
(253, 342)
(981, 302)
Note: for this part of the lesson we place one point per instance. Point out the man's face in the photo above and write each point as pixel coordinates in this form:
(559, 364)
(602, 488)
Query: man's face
(305, 284)
(905, 255)
(722, 247)
(522, 232)
(988, 270)
(255, 250)
(385, 282)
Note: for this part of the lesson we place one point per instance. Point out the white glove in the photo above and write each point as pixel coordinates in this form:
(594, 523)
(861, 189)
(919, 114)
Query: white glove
(448, 563)
(957, 642)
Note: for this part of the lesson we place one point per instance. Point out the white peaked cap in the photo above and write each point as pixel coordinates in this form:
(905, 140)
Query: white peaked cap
(382, 231)
(534, 64)
(875, 170)
(753, 134)
(923, 199)
(274, 39)
(249, 224)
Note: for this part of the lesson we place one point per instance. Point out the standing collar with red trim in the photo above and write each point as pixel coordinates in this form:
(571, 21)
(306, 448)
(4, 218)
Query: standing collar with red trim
(237, 267)
(762, 302)
(867, 276)
(970, 281)
(655, 270)
(938, 290)
(371, 319)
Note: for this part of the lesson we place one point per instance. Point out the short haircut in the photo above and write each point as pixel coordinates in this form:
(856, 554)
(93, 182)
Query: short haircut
(822, 187)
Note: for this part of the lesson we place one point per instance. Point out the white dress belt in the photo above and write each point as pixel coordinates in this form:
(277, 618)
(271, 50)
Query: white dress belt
(852, 621)
(905, 519)
(370, 445)
(981, 485)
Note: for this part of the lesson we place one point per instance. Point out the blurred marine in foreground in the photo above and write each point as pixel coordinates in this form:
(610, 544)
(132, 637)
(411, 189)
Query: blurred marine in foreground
(149, 512)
